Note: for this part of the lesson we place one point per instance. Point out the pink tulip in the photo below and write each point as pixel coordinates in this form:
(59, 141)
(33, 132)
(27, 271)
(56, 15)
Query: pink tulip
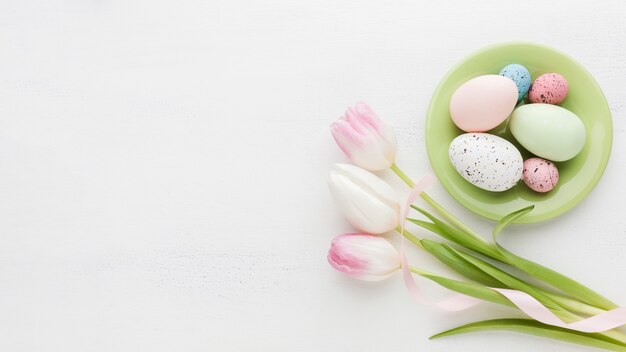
(363, 256)
(367, 140)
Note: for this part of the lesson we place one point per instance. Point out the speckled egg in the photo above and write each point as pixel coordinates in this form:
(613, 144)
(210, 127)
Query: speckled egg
(520, 75)
(540, 175)
(483, 102)
(549, 88)
(486, 161)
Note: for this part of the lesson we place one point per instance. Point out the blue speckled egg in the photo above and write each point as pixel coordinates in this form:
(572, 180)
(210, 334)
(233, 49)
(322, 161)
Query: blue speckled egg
(520, 75)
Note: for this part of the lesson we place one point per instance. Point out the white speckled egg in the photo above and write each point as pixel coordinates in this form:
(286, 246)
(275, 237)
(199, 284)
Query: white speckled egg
(486, 161)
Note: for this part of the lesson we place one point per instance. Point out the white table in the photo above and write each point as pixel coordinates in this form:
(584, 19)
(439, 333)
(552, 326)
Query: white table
(163, 165)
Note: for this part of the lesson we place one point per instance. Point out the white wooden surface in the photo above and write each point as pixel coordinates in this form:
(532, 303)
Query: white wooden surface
(163, 165)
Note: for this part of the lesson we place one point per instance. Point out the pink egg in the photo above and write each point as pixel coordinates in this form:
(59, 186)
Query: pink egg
(540, 175)
(482, 103)
(549, 88)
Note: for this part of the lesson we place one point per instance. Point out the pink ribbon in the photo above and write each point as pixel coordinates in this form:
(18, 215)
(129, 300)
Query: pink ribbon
(455, 303)
(530, 306)
(526, 303)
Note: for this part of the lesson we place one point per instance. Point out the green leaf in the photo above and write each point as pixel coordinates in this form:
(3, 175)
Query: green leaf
(508, 280)
(458, 264)
(497, 252)
(453, 234)
(533, 327)
(430, 227)
(560, 281)
(469, 289)
(508, 219)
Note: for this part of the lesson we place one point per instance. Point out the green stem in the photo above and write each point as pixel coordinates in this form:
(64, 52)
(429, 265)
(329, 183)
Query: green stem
(409, 236)
(438, 207)
(402, 175)
(491, 250)
(570, 317)
(566, 316)
(419, 271)
(565, 302)
(572, 304)
(447, 215)
(616, 335)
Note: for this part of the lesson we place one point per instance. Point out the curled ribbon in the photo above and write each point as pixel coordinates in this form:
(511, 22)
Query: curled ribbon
(455, 303)
(601, 322)
(526, 303)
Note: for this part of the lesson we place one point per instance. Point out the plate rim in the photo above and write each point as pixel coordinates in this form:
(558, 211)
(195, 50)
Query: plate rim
(526, 220)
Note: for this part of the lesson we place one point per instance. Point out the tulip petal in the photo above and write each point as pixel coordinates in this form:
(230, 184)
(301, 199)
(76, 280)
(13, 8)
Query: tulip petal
(367, 140)
(347, 139)
(370, 183)
(368, 202)
(355, 121)
(368, 116)
(363, 256)
(363, 210)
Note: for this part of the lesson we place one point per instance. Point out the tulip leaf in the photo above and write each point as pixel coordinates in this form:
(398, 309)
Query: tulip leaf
(508, 219)
(455, 259)
(549, 276)
(533, 327)
(458, 236)
(497, 252)
(458, 264)
(469, 289)
(508, 280)
(560, 281)
(430, 227)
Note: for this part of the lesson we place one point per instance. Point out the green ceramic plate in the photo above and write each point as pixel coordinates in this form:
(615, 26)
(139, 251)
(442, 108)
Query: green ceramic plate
(578, 176)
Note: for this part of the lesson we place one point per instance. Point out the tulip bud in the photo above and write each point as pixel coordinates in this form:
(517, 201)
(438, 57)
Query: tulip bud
(369, 203)
(365, 139)
(364, 257)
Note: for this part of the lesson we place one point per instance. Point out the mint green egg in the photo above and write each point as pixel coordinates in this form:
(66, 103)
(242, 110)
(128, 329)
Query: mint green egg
(548, 131)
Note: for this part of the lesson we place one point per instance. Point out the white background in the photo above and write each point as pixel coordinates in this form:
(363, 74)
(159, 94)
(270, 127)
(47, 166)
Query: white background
(163, 169)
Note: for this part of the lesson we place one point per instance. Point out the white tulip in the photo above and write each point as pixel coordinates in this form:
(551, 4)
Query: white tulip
(369, 203)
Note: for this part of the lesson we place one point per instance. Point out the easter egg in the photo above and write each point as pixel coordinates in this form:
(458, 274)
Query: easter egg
(549, 88)
(486, 161)
(520, 75)
(540, 175)
(482, 103)
(548, 131)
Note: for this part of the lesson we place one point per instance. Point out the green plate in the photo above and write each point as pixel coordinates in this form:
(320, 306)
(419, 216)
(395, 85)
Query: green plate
(578, 176)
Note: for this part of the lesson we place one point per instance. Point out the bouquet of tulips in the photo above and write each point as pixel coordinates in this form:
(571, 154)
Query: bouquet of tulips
(567, 310)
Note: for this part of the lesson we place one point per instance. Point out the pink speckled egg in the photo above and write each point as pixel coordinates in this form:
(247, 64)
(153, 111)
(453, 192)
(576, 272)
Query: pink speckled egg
(483, 102)
(540, 175)
(549, 88)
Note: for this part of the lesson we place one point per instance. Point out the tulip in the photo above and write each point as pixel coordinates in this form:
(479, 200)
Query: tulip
(365, 139)
(364, 257)
(369, 203)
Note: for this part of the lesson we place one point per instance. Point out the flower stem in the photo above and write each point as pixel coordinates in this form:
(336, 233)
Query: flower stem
(402, 175)
(565, 284)
(566, 303)
(480, 294)
(409, 236)
(570, 317)
(571, 304)
(438, 207)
